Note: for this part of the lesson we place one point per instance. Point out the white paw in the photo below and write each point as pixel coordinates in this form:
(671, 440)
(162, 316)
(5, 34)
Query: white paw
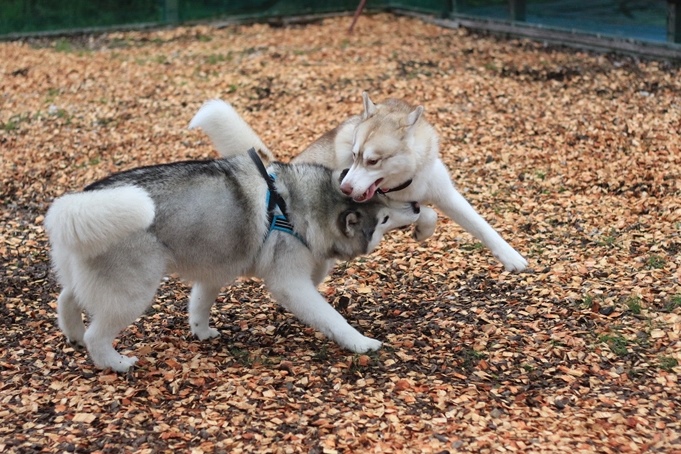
(364, 345)
(205, 333)
(512, 260)
(76, 341)
(421, 234)
(118, 363)
(425, 226)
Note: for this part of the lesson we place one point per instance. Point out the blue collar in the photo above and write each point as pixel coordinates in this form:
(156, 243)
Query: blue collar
(277, 216)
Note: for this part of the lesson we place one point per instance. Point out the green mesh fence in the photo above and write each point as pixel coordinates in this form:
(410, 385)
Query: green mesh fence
(26, 16)
(639, 19)
(30, 16)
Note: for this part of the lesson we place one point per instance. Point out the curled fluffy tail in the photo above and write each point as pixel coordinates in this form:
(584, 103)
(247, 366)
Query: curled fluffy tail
(230, 133)
(89, 223)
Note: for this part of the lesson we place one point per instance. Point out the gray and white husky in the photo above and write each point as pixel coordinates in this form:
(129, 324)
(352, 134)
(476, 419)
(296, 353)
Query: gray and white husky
(210, 222)
(390, 149)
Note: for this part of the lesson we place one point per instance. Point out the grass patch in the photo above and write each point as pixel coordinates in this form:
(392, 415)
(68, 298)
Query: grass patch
(63, 45)
(214, 59)
(655, 262)
(242, 356)
(673, 303)
(322, 354)
(14, 122)
(609, 239)
(471, 357)
(472, 246)
(634, 304)
(667, 363)
(616, 342)
(586, 302)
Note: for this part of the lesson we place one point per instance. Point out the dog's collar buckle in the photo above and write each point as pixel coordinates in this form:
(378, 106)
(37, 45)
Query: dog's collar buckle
(396, 188)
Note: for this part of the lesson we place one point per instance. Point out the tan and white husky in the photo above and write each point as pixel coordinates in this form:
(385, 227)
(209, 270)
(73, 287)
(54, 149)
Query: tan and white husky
(389, 149)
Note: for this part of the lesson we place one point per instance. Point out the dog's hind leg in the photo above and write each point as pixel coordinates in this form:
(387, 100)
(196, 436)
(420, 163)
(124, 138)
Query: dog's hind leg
(99, 338)
(454, 205)
(70, 317)
(123, 288)
(201, 300)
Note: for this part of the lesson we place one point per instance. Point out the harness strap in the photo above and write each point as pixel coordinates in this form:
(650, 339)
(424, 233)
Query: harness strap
(274, 197)
(274, 200)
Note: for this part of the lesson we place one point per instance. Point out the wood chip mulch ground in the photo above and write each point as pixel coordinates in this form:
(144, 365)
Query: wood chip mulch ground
(574, 157)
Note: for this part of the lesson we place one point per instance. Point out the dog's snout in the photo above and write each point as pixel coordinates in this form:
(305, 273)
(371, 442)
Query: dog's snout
(346, 189)
(415, 207)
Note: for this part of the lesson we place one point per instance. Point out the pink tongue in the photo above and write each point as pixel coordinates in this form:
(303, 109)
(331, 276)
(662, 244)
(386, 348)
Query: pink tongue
(368, 194)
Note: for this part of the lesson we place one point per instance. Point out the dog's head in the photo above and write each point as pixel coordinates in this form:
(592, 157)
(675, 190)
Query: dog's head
(362, 225)
(383, 148)
(333, 224)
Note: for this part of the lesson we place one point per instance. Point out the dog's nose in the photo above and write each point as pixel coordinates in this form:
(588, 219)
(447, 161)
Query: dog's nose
(346, 188)
(415, 207)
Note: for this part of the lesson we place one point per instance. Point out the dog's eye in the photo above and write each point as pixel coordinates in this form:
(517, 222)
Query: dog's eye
(372, 162)
(385, 219)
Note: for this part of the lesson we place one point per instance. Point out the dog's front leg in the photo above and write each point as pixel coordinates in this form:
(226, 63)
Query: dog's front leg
(455, 206)
(322, 270)
(298, 294)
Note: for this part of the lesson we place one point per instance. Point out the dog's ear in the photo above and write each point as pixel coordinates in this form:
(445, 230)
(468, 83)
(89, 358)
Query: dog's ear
(413, 116)
(369, 107)
(348, 222)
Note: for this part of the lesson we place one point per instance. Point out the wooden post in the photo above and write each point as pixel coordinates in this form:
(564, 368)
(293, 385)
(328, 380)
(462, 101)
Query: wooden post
(358, 12)
(674, 21)
(517, 10)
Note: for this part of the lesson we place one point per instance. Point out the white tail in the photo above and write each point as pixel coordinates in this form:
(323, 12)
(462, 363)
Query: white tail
(230, 133)
(90, 222)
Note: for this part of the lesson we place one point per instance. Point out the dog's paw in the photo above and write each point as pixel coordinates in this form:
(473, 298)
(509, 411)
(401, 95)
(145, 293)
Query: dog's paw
(78, 344)
(117, 362)
(364, 345)
(512, 260)
(125, 363)
(425, 226)
(423, 235)
(205, 333)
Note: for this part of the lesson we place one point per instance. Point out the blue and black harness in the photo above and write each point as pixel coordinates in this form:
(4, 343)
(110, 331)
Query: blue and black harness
(277, 215)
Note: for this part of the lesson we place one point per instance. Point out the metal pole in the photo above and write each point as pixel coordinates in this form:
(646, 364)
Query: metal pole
(517, 10)
(171, 11)
(674, 21)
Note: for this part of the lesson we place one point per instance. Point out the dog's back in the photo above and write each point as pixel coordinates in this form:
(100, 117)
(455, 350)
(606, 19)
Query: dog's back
(198, 205)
